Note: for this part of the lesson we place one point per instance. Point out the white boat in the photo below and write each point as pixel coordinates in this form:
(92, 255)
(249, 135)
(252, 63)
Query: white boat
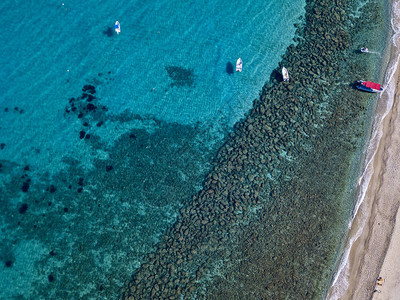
(285, 74)
(239, 65)
(117, 27)
(365, 50)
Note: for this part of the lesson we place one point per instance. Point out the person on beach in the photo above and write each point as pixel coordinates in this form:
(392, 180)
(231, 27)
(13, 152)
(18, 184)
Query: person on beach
(380, 281)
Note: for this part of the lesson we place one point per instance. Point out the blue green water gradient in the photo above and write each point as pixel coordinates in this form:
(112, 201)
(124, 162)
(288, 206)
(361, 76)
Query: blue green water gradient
(91, 177)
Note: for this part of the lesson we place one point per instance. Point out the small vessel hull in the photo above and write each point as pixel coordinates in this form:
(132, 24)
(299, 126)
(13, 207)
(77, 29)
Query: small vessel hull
(117, 27)
(285, 74)
(368, 89)
(239, 65)
(368, 86)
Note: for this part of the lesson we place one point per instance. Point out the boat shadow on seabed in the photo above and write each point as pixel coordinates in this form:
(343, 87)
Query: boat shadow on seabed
(275, 76)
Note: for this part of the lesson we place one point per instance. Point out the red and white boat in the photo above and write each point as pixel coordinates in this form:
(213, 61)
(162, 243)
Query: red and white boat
(369, 86)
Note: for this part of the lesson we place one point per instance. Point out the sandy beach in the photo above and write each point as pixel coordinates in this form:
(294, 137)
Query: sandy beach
(390, 270)
(374, 253)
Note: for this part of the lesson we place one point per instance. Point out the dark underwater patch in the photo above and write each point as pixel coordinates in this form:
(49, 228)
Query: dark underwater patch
(180, 76)
(86, 107)
(275, 76)
(23, 208)
(89, 88)
(26, 185)
(91, 107)
(108, 32)
(52, 189)
(229, 68)
(8, 263)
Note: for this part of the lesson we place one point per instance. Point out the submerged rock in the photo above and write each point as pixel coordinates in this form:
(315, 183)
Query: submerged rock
(25, 186)
(91, 107)
(89, 88)
(8, 264)
(52, 189)
(23, 208)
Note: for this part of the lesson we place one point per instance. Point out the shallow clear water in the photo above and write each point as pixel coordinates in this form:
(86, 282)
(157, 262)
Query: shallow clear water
(57, 49)
(91, 178)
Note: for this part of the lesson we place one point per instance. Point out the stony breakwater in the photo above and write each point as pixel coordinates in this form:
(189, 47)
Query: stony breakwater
(273, 211)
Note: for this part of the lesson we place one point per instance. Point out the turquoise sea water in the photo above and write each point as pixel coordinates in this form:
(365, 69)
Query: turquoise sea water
(105, 137)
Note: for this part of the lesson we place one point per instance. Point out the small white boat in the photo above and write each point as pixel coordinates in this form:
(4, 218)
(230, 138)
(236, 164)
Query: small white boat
(365, 50)
(239, 65)
(285, 74)
(117, 27)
